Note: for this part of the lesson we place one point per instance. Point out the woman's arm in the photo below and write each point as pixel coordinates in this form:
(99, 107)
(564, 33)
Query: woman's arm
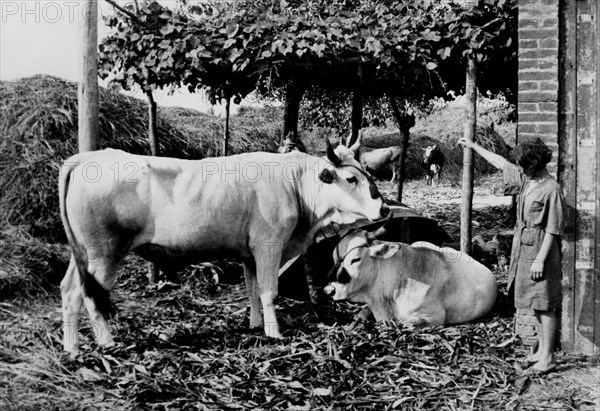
(494, 159)
(537, 268)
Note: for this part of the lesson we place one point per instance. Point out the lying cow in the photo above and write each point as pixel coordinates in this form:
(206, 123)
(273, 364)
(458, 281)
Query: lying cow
(433, 161)
(263, 208)
(419, 283)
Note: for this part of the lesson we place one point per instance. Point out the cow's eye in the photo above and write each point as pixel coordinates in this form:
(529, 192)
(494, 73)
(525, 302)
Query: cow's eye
(354, 261)
(352, 180)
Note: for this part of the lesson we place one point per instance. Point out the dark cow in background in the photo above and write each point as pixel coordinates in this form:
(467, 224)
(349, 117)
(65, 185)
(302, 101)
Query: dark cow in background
(263, 208)
(420, 283)
(433, 161)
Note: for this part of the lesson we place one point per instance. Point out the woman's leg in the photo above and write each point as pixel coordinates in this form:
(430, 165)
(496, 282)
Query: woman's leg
(548, 325)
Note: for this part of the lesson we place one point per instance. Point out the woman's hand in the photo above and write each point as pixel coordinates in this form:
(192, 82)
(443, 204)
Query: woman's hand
(465, 143)
(537, 270)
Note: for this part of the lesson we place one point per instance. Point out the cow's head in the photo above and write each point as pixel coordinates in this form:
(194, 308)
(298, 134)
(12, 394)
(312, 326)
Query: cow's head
(357, 264)
(351, 193)
(428, 151)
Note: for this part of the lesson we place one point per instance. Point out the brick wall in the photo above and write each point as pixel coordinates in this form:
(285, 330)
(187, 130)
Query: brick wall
(538, 73)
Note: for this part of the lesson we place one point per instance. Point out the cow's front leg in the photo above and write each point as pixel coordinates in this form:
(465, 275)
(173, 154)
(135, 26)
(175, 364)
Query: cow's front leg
(267, 271)
(256, 319)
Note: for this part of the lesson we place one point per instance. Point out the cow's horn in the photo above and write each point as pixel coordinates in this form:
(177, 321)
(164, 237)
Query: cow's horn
(381, 231)
(331, 156)
(357, 143)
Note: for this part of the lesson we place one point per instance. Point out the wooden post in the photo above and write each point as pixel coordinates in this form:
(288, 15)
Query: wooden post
(152, 125)
(404, 122)
(357, 116)
(467, 181)
(293, 97)
(226, 133)
(88, 87)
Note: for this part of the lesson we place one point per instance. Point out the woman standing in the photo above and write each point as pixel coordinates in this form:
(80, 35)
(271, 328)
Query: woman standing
(536, 258)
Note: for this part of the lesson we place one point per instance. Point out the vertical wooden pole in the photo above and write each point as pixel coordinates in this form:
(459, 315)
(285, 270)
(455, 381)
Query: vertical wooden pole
(226, 133)
(567, 164)
(152, 125)
(88, 87)
(293, 97)
(404, 122)
(357, 116)
(467, 181)
(153, 270)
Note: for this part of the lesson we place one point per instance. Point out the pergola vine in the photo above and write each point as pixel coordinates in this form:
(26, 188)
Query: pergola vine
(392, 49)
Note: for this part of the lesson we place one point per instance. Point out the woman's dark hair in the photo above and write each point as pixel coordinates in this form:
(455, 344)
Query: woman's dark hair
(532, 155)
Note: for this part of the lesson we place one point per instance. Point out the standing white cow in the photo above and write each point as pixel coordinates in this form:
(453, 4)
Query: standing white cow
(419, 283)
(263, 208)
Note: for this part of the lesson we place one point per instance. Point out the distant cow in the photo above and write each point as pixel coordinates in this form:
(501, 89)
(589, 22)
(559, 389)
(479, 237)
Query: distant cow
(419, 283)
(433, 161)
(291, 145)
(378, 161)
(263, 208)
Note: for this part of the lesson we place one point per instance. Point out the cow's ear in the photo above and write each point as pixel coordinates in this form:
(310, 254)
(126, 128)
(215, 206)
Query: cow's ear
(383, 250)
(327, 176)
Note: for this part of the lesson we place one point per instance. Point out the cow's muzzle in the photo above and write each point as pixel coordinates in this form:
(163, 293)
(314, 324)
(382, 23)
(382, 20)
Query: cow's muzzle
(329, 291)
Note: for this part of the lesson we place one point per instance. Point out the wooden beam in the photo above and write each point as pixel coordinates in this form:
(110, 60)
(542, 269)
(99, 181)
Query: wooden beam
(567, 164)
(88, 87)
(467, 180)
(226, 131)
(293, 97)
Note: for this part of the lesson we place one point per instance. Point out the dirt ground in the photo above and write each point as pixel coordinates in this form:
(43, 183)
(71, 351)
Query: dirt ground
(185, 349)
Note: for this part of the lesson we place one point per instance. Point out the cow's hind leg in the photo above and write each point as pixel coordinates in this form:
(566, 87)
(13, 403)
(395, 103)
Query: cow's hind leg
(256, 319)
(72, 300)
(104, 271)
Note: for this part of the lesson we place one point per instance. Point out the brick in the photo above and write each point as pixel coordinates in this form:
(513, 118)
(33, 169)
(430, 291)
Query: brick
(528, 44)
(548, 139)
(547, 107)
(528, 107)
(548, 43)
(537, 96)
(527, 128)
(547, 64)
(537, 75)
(528, 64)
(538, 54)
(547, 128)
(528, 85)
(548, 85)
(536, 33)
(538, 117)
(528, 23)
(550, 22)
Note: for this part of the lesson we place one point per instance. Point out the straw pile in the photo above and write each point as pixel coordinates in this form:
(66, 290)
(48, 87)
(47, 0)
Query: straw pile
(38, 123)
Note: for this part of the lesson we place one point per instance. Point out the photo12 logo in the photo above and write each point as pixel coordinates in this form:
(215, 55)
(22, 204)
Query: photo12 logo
(49, 11)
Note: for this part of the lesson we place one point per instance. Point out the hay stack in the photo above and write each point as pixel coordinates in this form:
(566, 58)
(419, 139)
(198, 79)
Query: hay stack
(38, 124)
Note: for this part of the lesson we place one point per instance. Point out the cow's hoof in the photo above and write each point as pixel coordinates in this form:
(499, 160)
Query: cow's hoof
(273, 332)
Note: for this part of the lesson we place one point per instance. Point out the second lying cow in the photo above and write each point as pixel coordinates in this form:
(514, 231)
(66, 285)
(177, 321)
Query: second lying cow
(419, 283)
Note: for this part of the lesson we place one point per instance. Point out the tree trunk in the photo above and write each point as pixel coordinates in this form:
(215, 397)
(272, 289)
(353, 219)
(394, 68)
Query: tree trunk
(293, 97)
(88, 88)
(467, 180)
(357, 117)
(226, 133)
(404, 122)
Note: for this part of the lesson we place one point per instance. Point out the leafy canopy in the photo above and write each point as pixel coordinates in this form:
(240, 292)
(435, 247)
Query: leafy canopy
(231, 49)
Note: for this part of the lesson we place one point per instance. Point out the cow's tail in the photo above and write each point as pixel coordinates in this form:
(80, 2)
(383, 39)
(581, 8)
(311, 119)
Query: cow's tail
(91, 287)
